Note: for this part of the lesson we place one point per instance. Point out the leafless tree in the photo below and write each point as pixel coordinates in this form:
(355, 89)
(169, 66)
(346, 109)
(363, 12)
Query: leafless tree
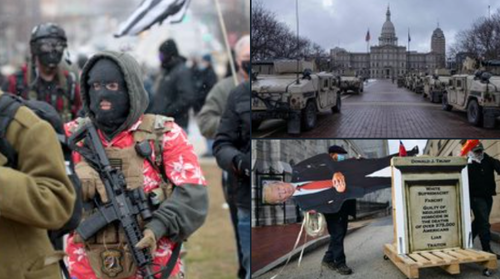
(272, 39)
(482, 40)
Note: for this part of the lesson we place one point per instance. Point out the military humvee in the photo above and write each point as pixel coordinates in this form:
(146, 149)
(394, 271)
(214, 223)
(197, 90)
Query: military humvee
(401, 81)
(282, 96)
(350, 81)
(408, 80)
(418, 83)
(411, 81)
(478, 95)
(437, 84)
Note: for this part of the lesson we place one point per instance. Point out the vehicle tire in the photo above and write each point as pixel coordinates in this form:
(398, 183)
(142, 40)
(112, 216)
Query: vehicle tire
(309, 116)
(338, 105)
(444, 103)
(475, 113)
(361, 90)
(256, 124)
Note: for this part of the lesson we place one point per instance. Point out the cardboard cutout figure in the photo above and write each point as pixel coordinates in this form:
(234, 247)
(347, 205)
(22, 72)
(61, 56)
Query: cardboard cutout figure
(321, 184)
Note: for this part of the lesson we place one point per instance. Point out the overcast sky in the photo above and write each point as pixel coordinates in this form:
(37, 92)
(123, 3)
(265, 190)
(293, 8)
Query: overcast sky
(409, 144)
(344, 23)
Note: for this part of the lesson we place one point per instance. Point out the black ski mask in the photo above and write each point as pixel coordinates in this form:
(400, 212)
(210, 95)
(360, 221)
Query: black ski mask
(109, 99)
(50, 59)
(50, 51)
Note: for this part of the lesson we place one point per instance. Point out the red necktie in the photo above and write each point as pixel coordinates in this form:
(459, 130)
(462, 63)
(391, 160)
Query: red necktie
(316, 185)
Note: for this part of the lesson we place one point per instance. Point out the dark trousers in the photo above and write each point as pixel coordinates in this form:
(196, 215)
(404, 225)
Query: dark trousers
(337, 228)
(230, 197)
(481, 207)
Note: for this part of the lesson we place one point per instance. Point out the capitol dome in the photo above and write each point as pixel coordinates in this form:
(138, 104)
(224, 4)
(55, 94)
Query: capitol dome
(388, 35)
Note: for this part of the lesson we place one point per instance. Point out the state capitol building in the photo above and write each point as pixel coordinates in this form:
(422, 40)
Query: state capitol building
(387, 59)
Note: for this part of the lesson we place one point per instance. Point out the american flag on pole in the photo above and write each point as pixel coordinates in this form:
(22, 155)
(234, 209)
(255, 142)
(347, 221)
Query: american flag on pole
(151, 12)
(368, 37)
(402, 150)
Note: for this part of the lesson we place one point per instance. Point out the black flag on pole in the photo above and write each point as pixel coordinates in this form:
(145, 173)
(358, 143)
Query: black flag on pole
(151, 12)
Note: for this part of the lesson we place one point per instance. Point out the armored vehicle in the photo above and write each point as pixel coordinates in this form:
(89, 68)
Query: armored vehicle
(437, 84)
(401, 81)
(418, 83)
(298, 101)
(478, 95)
(351, 82)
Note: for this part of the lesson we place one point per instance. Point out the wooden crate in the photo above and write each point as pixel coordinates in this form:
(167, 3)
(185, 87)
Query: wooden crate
(447, 259)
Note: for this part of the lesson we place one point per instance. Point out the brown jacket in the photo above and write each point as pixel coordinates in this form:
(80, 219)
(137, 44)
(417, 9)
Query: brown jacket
(33, 198)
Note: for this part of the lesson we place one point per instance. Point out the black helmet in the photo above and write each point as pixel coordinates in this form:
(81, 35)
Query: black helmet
(47, 30)
(49, 53)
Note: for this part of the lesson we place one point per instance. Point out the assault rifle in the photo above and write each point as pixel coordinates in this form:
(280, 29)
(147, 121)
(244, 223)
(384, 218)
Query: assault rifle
(122, 205)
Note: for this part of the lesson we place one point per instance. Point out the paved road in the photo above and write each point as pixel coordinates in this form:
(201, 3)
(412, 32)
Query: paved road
(385, 111)
(364, 255)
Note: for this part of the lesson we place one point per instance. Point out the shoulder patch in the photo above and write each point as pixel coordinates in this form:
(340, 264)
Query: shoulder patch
(155, 123)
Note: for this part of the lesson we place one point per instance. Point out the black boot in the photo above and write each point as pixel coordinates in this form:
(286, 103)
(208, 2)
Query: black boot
(343, 269)
(329, 265)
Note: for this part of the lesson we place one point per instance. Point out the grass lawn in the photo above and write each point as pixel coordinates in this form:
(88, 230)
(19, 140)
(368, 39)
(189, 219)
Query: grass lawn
(211, 251)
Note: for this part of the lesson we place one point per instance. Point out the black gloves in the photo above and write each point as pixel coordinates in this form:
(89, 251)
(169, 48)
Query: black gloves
(242, 164)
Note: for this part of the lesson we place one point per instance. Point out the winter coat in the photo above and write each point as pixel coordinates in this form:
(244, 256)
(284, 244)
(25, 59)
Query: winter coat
(233, 138)
(34, 198)
(215, 103)
(482, 177)
(203, 81)
(174, 93)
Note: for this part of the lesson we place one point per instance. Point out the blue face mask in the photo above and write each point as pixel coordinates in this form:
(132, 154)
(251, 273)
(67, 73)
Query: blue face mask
(340, 157)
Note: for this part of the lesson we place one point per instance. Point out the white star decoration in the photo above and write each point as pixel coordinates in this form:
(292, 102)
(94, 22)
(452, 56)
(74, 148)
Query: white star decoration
(180, 169)
(81, 253)
(174, 134)
(198, 175)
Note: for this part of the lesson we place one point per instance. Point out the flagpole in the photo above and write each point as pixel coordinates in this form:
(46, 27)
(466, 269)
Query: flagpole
(298, 39)
(409, 40)
(226, 41)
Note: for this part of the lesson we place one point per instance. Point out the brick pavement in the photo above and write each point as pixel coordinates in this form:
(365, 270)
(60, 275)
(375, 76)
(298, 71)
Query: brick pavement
(385, 111)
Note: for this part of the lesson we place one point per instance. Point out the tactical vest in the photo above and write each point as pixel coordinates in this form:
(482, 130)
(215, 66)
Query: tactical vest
(106, 251)
(65, 89)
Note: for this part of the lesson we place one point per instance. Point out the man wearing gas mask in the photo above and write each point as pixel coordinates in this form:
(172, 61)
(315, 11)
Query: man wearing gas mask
(173, 90)
(114, 97)
(44, 77)
(482, 168)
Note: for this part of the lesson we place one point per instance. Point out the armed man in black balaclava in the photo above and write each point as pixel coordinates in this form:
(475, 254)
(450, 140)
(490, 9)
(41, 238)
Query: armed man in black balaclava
(109, 100)
(45, 78)
(114, 98)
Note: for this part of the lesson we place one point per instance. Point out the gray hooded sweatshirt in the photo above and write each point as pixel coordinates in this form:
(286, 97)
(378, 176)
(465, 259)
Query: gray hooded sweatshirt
(185, 211)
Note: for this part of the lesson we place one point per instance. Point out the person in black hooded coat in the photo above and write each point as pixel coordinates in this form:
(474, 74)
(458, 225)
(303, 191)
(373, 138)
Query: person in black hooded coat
(173, 93)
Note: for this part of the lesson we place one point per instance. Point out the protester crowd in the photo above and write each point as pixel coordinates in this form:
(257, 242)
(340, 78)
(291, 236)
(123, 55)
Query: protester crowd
(115, 124)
